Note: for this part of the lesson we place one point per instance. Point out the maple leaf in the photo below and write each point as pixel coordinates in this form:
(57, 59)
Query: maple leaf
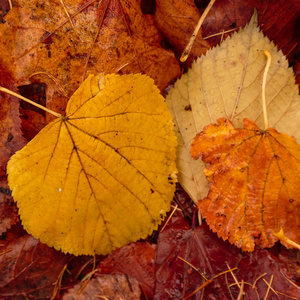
(226, 82)
(254, 183)
(102, 176)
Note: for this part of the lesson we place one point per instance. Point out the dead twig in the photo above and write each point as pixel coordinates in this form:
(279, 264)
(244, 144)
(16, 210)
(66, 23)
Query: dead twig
(188, 48)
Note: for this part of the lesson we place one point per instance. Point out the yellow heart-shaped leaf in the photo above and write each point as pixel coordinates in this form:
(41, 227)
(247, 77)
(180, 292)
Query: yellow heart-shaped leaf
(102, 176)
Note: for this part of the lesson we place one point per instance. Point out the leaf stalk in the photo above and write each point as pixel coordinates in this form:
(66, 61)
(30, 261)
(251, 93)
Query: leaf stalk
(264, 107)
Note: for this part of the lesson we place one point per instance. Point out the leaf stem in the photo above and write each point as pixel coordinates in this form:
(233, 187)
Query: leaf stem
(281, 236)
(189, 46)
(31, 102)
(264, 107)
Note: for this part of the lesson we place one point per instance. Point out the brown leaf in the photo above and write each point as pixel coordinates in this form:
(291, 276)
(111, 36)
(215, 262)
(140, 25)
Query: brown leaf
(33, 118)
(204, 251)
(11, 141)
(106, 287)
(30, 269)
(177, 20)
(290, 259)
(254, 183)
(136, 260)
(278, 20)
(39, 41)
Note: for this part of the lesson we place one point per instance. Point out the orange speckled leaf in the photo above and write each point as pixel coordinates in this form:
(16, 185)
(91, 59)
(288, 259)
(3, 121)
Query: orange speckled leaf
(254, 183)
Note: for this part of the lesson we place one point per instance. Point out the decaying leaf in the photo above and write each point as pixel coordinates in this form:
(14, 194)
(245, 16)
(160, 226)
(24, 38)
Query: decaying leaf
(38, 40)
(11, 140)
(106, 287)
(187, 258)
(226, 82)
(135, 260)
(25, 269)
(254, 183)
(177, 20)
(278, 19)
(102, 176)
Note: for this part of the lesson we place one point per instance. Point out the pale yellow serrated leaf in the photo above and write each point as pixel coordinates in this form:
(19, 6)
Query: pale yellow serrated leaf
(227, 82)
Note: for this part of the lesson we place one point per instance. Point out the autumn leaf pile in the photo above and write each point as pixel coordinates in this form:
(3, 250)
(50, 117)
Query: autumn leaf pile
(102, 173)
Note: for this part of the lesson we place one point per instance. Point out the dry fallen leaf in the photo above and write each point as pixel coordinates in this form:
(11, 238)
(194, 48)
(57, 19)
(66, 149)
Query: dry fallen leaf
(38, 40)
(177, 20)
(254, 183)
(102, 176)
(226, 82)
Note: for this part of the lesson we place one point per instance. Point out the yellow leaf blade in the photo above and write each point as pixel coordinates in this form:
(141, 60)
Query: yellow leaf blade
(99, 178)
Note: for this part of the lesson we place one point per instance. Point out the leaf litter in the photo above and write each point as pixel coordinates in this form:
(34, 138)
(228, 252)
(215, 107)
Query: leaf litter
(188, 259)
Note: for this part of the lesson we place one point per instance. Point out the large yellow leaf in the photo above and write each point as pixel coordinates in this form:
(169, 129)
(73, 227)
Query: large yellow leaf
(226, 82)
(100, 177)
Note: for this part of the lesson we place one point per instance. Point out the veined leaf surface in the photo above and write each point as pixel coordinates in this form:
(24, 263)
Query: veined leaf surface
(227, 83)
(100, 177)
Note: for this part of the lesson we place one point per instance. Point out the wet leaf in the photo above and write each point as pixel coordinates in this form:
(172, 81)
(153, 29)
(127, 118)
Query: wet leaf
(226, 82)
(289, 259)
(135, 260)
(25, 269)
(177, 20)
(254, 183)
(206, 256)
(106, 287)
(278, 20)
(102, 176)
(11, 141)
(39, 43)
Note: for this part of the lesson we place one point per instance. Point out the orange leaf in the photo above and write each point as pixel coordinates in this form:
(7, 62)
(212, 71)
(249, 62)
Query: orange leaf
(254, 183)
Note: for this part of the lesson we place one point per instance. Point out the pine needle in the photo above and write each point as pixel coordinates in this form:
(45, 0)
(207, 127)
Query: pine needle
(169, 218)
(31, 102)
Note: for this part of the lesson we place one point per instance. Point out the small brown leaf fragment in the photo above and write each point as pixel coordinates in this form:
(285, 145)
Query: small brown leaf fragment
(11, 140)
(136, 260)
(33, 118)
(107, 287)
(278, 20)
(254, 186)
